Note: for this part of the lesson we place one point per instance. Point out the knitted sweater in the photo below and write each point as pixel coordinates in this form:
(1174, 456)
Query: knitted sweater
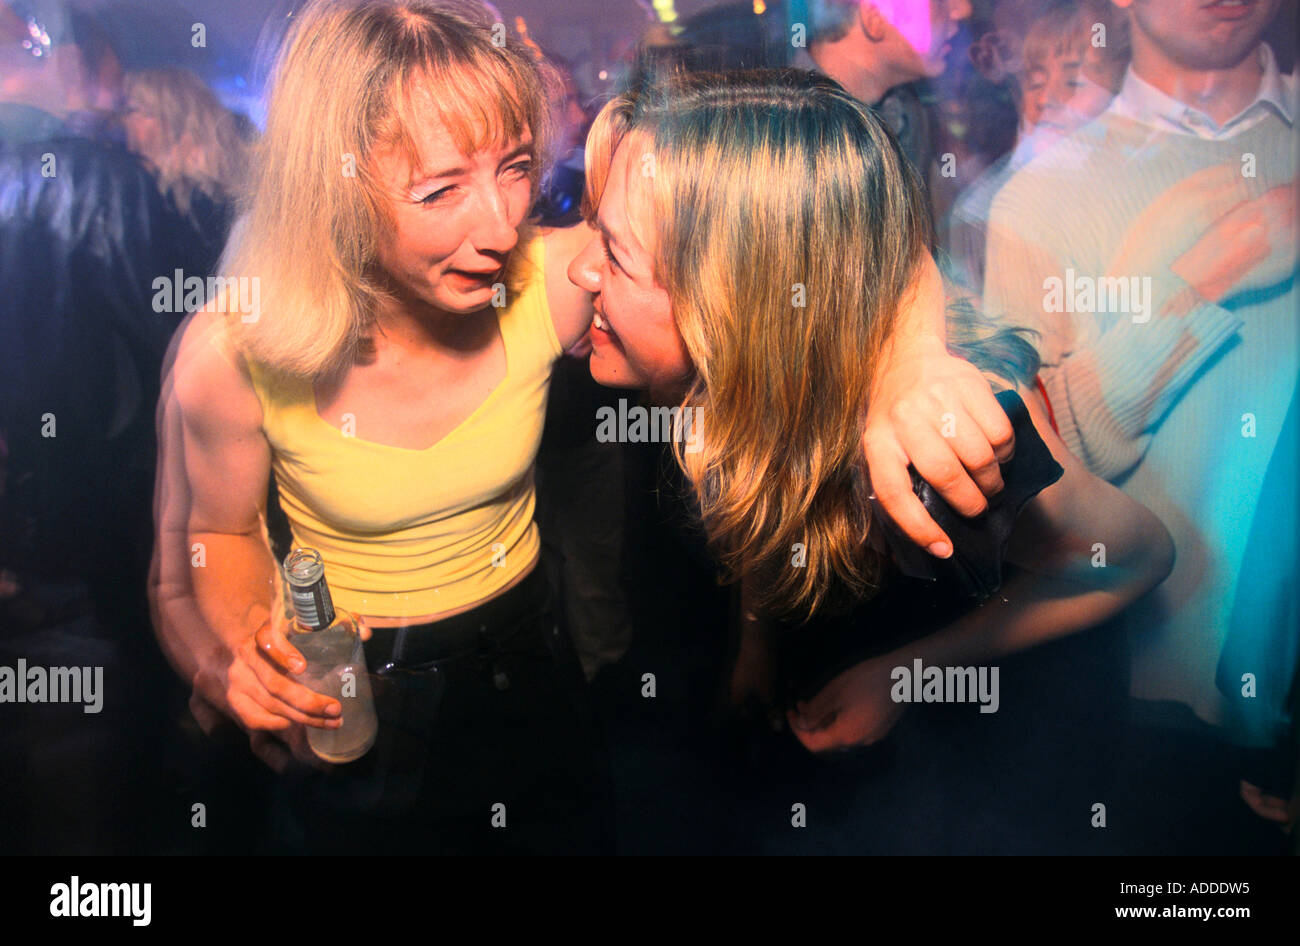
(1179, 400)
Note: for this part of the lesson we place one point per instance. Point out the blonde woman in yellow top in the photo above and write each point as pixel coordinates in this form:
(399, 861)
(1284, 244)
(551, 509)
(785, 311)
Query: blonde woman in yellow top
(382, 344)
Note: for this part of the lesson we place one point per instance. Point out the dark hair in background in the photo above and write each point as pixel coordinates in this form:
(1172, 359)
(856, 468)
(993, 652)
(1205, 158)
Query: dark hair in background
(86, 30)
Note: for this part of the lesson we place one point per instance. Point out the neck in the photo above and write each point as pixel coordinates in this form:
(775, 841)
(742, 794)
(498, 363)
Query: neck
(412, 326)
(669, 394)
(1220, 93)
(849, 61)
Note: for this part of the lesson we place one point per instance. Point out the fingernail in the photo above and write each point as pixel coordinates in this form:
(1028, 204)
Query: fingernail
(298, 666)
(334, 710)
(940, 549)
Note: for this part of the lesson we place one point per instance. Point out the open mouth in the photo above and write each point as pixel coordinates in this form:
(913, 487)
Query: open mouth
(474, 280)
(601, 332)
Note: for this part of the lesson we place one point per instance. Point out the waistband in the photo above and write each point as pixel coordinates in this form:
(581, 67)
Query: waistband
(488, 625)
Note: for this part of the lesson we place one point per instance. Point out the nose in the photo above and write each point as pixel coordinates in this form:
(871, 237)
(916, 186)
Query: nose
(584, 270)
(1056, 96)
(497, 227)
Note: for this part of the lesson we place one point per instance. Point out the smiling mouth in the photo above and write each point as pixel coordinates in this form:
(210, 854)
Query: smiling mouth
(600, 325)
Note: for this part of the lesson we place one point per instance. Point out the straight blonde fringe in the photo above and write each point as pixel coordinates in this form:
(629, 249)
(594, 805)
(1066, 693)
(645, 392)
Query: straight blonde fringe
(341, 89)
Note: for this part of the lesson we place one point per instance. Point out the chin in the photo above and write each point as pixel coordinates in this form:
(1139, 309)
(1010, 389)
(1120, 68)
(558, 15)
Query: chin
(934, 68)
(463, 303)
(611, 375)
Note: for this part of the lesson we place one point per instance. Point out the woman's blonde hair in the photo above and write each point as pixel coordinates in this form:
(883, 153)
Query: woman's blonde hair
(341, 91)
(201, 145)
(788, 230)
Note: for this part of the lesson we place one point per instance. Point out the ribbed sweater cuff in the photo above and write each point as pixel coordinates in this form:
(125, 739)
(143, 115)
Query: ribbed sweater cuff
(1145, 367)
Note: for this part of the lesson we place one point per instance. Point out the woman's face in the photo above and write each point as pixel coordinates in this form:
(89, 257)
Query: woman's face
(456, 219)
(634, 340)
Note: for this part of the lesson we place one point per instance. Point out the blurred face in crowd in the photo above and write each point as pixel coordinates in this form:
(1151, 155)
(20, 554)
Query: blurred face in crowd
(455, 220)
(1062, 90)
(634, 339)
(572, 118)
(917, 33)
(143, 130)
(1201, 35)
(104, 85)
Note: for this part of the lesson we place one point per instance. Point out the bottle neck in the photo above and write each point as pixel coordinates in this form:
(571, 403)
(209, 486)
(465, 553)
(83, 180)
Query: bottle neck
(312, 605)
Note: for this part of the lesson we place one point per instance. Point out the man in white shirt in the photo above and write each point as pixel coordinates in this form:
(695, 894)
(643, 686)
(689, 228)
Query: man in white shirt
(1155, 253)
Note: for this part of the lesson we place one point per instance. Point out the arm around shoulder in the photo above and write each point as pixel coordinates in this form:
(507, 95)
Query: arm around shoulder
(570, 305)
(1083, 529)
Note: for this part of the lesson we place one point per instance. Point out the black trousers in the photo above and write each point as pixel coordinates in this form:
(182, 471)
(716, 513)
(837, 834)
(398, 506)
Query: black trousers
(486, 744)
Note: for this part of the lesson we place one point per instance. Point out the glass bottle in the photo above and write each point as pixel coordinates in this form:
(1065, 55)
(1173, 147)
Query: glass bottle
(330, 642)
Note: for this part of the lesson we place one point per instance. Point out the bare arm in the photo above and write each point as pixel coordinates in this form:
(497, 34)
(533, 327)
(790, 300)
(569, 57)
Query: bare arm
(1061, 540)
(570, 305)
(214, 580)
(1058, 540)
(936, 412)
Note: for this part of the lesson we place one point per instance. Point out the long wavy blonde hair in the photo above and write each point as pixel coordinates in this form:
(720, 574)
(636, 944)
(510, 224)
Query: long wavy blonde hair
(788, 228)
(200, 146)
(340, 91)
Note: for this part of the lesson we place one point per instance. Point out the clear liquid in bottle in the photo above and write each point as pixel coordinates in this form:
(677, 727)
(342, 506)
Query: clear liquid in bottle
(330, 643)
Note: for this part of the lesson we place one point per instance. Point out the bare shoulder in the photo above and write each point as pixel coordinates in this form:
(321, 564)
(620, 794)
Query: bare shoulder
(564, 243)
(1038, 413)
(570, 305)
(209, 379)
(1078, 494)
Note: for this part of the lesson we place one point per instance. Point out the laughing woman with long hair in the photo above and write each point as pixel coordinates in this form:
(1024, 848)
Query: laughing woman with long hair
(757, 277)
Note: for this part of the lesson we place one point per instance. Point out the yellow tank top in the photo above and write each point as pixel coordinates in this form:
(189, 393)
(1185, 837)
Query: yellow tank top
(412, 532)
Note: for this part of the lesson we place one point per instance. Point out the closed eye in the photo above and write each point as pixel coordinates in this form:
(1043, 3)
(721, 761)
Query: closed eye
(604, 245)
(437, 195)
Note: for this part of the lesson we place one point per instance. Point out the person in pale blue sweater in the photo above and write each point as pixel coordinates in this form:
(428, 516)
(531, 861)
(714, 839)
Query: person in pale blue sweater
(1154, 251)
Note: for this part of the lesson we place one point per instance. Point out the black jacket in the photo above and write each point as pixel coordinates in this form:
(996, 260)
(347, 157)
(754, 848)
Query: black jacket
(84, 232)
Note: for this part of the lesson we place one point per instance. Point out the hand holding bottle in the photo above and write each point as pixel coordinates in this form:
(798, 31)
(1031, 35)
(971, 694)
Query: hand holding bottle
(273, 641)
(326, 651)
(242, 681)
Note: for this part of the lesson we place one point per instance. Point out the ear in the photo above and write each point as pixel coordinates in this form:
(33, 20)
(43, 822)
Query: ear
(872, 22)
